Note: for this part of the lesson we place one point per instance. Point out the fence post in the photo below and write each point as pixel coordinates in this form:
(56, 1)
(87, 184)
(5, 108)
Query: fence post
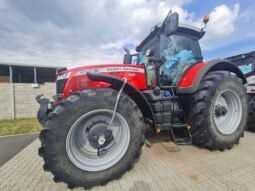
(13, 112)
(13, 101)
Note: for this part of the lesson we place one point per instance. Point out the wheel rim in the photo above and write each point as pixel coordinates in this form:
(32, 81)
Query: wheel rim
(227, 112)
(83, 155)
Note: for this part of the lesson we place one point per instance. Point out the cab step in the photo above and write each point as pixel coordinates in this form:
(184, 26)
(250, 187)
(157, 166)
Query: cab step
(179, 131)
(180, 134)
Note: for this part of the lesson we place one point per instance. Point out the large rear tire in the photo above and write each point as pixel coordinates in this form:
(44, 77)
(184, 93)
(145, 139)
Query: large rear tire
(67, 149)
(251, 118)
(219, 113)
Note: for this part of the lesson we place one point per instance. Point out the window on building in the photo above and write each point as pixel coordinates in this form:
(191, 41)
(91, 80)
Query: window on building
(4, 74)
(46, 75)
(27, 74)
(22, 74)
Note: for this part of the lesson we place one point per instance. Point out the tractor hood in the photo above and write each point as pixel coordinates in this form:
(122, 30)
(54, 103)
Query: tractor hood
(75, 79)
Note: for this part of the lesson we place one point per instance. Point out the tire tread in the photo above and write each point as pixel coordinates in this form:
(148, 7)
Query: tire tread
(201, 135)
(46, 134)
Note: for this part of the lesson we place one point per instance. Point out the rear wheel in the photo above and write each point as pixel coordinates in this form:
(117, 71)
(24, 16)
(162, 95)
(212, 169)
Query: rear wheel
(251, 119)
(219, 114)
(77, 146)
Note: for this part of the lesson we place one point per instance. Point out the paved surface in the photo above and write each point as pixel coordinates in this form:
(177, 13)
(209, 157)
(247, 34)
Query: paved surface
(158, 169)
(11, 145)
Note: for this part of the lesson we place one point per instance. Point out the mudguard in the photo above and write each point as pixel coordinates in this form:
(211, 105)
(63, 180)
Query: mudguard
(130, 90)
(201, 69)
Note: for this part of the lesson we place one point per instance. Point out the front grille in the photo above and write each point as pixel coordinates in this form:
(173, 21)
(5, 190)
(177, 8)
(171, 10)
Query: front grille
(60, 86)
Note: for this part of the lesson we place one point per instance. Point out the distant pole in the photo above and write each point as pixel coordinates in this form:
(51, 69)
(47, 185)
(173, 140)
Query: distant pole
(10, 73)
(35, 75)
(13, 112)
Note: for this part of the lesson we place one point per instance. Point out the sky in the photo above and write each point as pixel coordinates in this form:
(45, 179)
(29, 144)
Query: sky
(83, 32)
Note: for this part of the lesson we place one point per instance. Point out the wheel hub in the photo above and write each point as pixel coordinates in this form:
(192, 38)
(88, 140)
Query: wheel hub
(99, 136)
(227, 112)
(91, 147)
(220, 110)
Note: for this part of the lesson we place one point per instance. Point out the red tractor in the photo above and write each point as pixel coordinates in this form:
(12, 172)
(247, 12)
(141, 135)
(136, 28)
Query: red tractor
(95, 128)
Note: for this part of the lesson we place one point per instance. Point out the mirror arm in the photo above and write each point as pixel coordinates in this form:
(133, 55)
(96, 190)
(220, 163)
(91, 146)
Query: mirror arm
(202, 29)
(164, 22)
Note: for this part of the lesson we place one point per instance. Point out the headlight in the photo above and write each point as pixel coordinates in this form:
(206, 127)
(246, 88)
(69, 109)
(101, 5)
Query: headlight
(64, 76)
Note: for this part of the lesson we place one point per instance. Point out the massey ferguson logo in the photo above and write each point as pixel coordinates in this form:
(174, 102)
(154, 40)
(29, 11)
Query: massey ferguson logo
(111, 69)
(122, 69)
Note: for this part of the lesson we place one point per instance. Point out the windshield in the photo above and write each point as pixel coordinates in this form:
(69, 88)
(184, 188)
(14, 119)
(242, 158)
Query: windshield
(179, 53)
(246, 65)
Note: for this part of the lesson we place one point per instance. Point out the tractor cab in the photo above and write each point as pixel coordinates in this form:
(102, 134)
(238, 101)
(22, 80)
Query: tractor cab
(168, 51)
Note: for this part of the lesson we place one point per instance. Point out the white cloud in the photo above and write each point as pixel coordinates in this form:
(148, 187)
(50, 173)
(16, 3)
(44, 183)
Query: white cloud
(89, 32)
(221, 24)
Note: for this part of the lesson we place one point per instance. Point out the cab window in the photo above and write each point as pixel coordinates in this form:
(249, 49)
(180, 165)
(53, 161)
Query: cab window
(179, 52)
(246, 65)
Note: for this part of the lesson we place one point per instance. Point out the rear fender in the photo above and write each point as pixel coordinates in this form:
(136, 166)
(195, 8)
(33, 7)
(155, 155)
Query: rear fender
(130, 90)
(195, 74)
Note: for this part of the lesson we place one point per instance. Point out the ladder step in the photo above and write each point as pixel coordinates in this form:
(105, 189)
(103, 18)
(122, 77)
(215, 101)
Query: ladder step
(174, 97)
(179, 129)
(180, 134)
(177, 111)
(184, 141)
(179, 125)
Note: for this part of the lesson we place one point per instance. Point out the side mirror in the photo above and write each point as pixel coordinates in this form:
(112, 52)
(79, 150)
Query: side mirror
(171, 23)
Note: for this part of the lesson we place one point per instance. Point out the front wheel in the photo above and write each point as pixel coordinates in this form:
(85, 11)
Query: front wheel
(219, 113)
(79, 148)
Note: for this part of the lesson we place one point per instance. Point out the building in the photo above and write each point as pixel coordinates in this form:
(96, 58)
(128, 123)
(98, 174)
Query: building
(19, 84)
(25, 73)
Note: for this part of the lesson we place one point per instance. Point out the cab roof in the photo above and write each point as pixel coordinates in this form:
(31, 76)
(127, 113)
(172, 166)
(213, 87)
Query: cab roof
(183, 29)
(241, 56)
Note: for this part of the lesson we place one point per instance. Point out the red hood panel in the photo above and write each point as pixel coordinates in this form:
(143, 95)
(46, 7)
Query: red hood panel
(78, 76)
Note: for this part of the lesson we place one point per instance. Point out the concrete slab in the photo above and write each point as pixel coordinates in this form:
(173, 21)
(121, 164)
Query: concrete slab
(11, 145)
(189, 169)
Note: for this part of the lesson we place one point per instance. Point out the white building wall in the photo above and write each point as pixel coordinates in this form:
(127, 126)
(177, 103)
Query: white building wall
(18, 100)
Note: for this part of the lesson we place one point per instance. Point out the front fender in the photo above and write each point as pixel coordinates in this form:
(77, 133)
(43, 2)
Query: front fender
(130, 90)
(194, 75)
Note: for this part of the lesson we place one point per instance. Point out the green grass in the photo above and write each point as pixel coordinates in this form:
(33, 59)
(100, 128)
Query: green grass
(19, 126)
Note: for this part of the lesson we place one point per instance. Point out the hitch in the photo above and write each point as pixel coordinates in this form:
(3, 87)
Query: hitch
(38, 98)
(44, 109)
